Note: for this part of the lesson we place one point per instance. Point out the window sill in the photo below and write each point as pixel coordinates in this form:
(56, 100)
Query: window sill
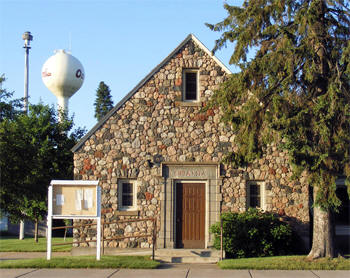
(127, 213)
(188, 103)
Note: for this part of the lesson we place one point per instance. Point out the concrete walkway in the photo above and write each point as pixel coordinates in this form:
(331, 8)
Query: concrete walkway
(165, 270)
(173, 271)
(29, 255)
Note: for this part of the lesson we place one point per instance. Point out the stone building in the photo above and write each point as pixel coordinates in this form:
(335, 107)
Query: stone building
(157, 154)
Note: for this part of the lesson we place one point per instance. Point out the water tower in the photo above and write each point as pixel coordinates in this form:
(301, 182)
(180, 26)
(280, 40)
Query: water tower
(63, 75)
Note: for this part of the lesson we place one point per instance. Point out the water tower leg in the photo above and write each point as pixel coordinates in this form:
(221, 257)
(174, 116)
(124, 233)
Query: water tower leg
(62, 106)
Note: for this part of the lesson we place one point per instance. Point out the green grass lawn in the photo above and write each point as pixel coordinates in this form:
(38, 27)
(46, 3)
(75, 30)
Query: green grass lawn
(12, 244)
(143, 262)
(287, 263)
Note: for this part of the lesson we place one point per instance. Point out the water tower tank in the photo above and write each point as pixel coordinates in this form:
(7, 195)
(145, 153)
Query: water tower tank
(63, 75)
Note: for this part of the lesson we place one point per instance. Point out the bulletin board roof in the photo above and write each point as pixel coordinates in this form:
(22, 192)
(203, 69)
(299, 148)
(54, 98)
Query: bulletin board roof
(73, 182)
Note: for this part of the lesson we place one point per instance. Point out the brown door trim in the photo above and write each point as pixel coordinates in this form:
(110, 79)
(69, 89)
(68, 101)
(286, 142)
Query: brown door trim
(190, 215)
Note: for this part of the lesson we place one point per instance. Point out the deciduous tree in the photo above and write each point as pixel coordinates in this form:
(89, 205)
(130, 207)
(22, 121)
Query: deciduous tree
(9, 108)
(34, 149)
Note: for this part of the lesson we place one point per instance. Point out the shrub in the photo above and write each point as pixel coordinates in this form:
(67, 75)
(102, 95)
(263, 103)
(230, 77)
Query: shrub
(253, 234)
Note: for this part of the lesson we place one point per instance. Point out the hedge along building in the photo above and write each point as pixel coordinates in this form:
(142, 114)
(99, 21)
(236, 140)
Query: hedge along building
(157, 154)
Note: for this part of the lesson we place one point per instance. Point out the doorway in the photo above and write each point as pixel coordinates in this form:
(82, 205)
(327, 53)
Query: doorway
(190, 215)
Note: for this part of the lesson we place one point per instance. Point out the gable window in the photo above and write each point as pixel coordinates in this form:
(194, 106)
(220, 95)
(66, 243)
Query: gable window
(127, 194)
(255, 195)
(190, 90)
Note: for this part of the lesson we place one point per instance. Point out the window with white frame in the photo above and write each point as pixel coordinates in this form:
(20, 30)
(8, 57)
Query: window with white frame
(190, 85)
(127, 194)
(255, 195)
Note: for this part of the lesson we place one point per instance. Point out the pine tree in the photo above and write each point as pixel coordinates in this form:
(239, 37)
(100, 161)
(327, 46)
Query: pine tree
(103, 102)
(295, 92)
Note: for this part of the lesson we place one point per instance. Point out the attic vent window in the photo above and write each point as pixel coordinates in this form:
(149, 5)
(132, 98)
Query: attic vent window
(190, 90)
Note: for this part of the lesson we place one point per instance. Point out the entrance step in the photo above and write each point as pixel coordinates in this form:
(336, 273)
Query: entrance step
(187, 255)
(163, 255)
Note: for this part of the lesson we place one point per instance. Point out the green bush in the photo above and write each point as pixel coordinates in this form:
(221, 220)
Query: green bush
(253, 234)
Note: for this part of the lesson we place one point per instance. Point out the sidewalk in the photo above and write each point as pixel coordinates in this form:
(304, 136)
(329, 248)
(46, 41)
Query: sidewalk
(28, 255)
(173, 271)
(165, 270)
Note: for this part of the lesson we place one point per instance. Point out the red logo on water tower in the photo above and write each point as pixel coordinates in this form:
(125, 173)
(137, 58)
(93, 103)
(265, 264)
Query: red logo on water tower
(45, 73)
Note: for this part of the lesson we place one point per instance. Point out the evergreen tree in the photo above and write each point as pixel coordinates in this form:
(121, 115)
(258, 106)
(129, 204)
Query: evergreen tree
(103, 102)
(295, 92)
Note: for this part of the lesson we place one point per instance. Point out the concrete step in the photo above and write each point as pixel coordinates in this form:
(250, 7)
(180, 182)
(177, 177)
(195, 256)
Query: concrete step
(164, 255)
(187, 255)
(186, 260)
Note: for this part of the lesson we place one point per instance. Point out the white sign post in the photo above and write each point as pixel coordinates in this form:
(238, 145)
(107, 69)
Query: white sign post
(73, 199)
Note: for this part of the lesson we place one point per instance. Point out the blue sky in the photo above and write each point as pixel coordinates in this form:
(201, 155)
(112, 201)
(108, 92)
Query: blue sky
(117, 41)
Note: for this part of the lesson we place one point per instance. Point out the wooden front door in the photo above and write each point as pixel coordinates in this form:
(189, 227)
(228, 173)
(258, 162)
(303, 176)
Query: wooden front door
(190, 215)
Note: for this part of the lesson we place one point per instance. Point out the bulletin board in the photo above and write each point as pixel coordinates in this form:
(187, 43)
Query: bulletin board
(74, 198)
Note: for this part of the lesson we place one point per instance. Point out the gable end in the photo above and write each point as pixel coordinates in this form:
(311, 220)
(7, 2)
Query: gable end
(144, 81)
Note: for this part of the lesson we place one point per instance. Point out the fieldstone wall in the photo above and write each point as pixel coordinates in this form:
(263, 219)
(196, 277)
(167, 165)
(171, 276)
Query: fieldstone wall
(287, 197)
(155, 126)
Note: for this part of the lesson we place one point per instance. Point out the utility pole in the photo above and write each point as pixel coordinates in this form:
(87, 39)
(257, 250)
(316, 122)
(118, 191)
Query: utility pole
(27, 37)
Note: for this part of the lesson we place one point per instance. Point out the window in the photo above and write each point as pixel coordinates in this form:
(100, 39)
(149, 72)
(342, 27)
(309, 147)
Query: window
(255, 195)
(190, 90)
(127, 194)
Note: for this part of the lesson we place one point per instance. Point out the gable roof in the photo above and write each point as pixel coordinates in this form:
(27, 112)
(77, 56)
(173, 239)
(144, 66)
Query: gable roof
(143, 81)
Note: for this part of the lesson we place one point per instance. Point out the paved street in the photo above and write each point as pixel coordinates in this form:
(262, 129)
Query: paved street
(169, 270)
